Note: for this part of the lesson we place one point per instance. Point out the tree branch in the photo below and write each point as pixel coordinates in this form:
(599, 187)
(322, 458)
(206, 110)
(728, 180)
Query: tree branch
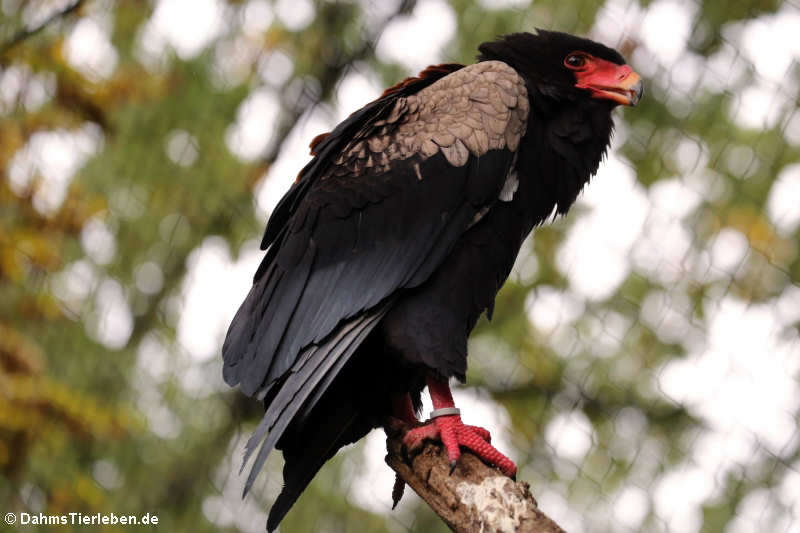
(30, 32)
(475, 497)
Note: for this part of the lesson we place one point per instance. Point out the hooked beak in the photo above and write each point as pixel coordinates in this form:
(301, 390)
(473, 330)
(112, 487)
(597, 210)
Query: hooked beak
(627, 92)
(618, 83)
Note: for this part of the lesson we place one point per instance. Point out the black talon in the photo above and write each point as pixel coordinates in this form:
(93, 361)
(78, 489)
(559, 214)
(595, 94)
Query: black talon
(453, 466)
(397, 490)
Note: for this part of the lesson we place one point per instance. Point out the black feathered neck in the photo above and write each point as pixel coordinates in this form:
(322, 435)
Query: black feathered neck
(568, 131)
(558, 156)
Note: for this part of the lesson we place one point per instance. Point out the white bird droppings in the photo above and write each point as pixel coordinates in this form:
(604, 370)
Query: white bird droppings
(497, 506)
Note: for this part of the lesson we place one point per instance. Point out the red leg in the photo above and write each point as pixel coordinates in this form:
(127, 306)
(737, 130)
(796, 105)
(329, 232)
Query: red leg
(404, 409)
(454, 433)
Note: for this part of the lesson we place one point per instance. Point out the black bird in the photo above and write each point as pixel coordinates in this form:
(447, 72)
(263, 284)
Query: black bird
(398, 234)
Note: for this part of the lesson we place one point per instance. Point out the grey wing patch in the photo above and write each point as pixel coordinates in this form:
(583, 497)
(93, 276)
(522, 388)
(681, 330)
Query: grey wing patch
(510, 186)
(506, 193)
(476, 109)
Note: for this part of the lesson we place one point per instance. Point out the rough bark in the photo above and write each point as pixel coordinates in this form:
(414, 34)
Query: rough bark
(474, 498)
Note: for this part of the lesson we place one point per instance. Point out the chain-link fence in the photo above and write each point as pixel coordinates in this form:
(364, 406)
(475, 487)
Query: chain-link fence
(642, 364)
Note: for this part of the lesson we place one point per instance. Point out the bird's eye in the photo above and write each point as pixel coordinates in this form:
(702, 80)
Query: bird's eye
(575, 61)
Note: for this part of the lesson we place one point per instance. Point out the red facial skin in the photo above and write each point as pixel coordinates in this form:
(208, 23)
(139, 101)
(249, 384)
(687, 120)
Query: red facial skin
(607, 80)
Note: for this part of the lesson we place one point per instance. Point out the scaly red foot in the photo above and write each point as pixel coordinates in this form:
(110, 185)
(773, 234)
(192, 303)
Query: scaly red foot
(453, 433)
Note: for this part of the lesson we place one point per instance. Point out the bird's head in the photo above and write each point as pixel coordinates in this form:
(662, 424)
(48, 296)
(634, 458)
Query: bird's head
(565, 67)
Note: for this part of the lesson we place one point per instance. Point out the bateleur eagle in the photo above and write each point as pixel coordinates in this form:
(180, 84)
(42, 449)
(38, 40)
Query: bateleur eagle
(398, 234)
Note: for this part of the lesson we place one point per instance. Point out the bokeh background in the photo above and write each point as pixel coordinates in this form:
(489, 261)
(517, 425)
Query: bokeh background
(643, 364)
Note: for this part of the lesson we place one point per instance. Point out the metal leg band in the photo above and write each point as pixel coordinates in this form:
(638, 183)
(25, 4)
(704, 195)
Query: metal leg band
(445, 411)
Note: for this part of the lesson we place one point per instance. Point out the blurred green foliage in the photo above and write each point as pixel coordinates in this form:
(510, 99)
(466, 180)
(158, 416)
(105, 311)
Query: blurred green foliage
(79, 413)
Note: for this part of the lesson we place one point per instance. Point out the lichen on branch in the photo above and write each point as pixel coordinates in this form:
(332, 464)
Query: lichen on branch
(474, 497)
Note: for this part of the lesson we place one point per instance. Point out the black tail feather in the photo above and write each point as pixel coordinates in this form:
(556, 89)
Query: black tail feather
(307, 451)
